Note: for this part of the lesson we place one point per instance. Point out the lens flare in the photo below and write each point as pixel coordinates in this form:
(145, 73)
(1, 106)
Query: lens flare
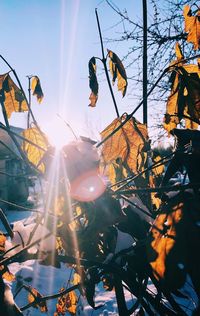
(87, 187)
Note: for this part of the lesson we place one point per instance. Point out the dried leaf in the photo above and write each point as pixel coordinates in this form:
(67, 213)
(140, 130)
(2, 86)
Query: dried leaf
(14, 100)
(34, 153)
(2, 242)
(184, 98)
(116, 171)
(93, 99)
(155, 201)
(76, 279)
(36, 88)
(59, 246)
(158, 171)
(118, 72)
(163, 244)
(126, 144)
(192, 26)
(93, 83)
(8, 276)
(42, 306)
(66, 303)
(178, 51)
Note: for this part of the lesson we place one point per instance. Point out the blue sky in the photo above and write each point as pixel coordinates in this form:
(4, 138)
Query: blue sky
(55, 39)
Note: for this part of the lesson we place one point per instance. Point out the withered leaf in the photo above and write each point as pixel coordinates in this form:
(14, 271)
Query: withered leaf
(66, 303)
(2, 242)
(12, 96)
(192, 26)
(161, 264)
(93, 83)
(31, 298)
(34, 153)
(178, 51)
(118, 72)
(125, 145)
(36, 88)
(184, 98)
(7, 275)
(76, 278)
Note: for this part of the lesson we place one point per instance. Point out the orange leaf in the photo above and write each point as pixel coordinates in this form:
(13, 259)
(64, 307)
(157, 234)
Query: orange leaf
(2, 242)
(76, 278)
(34, 153)
(126, 144)
(14, 100)
(192, 26)
(178, 51)
(67, 303)
(8, 276)
(37, 89)
(184, 98)
(42, 306)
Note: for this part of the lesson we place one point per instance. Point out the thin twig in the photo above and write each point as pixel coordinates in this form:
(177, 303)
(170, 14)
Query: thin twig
(6, 224)
(20, 206)
(181, 187)
(39, 300)
(13, 258)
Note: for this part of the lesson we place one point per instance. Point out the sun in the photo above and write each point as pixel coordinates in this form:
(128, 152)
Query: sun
(58, 132)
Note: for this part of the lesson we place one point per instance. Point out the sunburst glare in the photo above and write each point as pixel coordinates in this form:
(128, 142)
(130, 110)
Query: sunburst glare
(59, 132)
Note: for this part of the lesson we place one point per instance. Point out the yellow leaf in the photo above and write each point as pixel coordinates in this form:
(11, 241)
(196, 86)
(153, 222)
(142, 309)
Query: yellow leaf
(59, 246)
(2, 242)
(118, 72)
(36, 88)
(34, 153)
(158, 171)
(42, 306)
(14, 100)
(178, 51)
(126, 144)
(73, 300)
(8, 276)
(184, 98)
(78, 210)
(76, 279)
(67, 303)
(192, 26)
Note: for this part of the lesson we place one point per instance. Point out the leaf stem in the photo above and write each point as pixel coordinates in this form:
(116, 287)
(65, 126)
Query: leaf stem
(105, 66)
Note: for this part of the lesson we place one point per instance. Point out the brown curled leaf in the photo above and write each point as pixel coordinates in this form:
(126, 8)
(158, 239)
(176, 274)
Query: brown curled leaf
(118, 72)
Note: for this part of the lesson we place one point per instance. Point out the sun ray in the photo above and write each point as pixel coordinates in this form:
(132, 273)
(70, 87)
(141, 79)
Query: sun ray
(70, 211)
(51, 192)
(66, 72)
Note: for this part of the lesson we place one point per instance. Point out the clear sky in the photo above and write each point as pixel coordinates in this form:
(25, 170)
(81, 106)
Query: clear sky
(55, 39)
